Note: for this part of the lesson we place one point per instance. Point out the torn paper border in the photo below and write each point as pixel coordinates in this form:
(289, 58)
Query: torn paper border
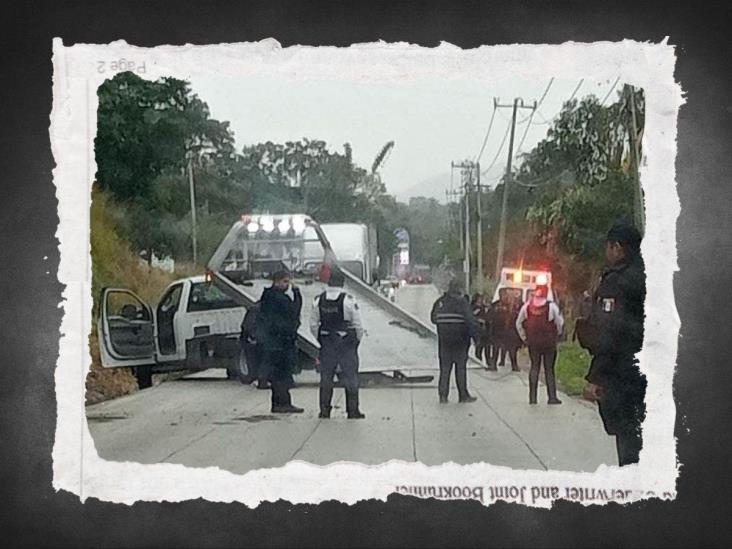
(76, 465)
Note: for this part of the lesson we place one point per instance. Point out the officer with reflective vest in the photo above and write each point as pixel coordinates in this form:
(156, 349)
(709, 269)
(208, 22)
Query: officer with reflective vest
(456, 326)
(336, 322)
(539, 324)
(613, 334)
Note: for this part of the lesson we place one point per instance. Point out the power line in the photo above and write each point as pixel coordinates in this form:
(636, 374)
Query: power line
(500, 148)
(536, 111)
(487, 133)
(541, 100)
(610, 91)
(526, 132)
(576, 90)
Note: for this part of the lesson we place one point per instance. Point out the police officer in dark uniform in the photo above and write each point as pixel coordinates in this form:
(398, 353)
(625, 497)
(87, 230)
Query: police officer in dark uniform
(456, 325)
(481, 312)
(277, 324)
(505, 313)
(252, 349)
(613, 334)
(336, 322)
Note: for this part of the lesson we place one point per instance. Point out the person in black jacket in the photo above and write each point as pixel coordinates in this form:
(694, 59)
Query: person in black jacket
(277, 324)
(252, 349)
(613, 334)
(481, 312)
(456, 325)
(505, 313)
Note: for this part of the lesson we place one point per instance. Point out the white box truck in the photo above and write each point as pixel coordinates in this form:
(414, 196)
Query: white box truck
(355, 248)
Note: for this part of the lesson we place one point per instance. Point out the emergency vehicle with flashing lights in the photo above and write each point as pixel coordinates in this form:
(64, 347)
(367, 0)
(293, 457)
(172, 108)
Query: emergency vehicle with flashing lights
(522, 283)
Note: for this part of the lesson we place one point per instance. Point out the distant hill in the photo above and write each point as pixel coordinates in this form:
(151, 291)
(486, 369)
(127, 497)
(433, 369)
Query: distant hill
(435, 186)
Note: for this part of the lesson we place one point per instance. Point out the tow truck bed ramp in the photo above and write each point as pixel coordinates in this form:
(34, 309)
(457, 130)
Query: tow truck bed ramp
(394, 340)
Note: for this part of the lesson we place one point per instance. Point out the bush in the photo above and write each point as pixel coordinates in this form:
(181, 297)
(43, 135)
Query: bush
(572, 364)
(115, 264)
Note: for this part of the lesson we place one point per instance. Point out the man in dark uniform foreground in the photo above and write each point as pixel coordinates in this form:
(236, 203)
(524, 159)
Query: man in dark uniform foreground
(456, 325)
(277, 324)
(613, 334)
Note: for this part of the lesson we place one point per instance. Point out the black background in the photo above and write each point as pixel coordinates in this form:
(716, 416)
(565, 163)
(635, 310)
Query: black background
(33, 514)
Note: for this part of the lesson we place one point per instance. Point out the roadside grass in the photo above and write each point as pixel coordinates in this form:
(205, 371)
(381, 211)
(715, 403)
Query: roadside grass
(114, 264)
(572, 364)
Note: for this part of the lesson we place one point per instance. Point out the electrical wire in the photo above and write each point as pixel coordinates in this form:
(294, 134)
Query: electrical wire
(500, 148)
(523, 137)
(487, 133)
(541, 100)
(575, 90)
(610, 91)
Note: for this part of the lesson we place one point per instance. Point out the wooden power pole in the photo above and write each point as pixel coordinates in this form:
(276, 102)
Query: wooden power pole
(518, 103)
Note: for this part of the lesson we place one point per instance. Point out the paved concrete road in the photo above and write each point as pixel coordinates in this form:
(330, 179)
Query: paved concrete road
(205, 420)
(418, 300)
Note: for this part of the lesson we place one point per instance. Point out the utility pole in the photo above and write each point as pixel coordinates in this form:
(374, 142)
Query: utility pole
(638, 211)
(467, 173)
(467, 237)
(455, 214)
(518, 103)
(479, 230)
(193, 205)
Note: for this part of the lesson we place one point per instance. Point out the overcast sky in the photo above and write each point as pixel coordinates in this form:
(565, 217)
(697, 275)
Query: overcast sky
(432, 122)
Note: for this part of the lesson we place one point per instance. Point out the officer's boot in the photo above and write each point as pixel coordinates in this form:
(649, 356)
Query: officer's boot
(352, 405)
(551, 386)
(282, 400)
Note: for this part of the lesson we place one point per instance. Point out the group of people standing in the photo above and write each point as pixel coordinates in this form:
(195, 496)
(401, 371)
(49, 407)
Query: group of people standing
(609, 327)
(507, 324)
(497, 334)
(498, 329)
(269, 339)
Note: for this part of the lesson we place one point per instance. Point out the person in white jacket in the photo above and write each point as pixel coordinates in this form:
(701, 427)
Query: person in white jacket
(336, 323)
(539, 324)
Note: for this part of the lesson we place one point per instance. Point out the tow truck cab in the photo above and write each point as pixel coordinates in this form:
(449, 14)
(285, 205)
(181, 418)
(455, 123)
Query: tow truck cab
(522, 283)
(194, 326)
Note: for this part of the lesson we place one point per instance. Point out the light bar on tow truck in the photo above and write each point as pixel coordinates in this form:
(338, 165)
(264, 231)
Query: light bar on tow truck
(283, 224)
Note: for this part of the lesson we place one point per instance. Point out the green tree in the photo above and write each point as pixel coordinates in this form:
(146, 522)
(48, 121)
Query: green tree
(147, 133)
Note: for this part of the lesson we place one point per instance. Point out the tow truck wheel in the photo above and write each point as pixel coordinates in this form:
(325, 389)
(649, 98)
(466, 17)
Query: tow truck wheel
(144, 377)
(241, 368)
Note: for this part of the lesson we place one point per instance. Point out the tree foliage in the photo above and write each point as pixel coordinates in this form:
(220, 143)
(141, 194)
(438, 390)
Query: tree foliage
(149, 132)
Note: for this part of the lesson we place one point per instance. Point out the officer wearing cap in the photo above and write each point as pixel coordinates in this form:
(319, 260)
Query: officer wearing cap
(456, 325)
(336, 322)
(613, 334)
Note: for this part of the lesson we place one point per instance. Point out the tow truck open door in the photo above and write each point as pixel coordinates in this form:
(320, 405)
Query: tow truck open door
(125, 327)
